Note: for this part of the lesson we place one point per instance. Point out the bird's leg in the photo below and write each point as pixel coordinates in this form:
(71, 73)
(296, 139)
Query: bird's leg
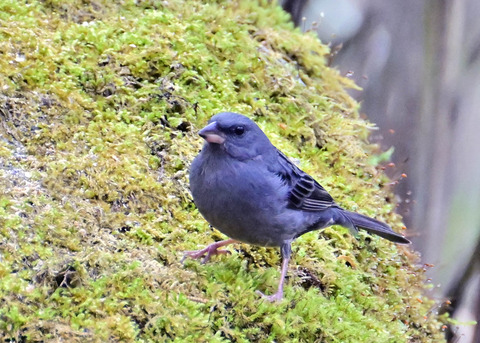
(279, 294)
(286, 252)
(210, 250)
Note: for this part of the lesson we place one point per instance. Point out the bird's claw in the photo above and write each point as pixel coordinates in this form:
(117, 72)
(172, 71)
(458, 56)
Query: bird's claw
(271, 298)
(206, 253)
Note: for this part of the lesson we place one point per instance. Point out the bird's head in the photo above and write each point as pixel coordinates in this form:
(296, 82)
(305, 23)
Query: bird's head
(236, 135)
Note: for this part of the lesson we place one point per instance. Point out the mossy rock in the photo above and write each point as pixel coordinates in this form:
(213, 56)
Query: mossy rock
(100, 103)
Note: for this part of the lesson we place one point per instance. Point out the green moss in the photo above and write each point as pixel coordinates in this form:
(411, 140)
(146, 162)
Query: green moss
(99, 107)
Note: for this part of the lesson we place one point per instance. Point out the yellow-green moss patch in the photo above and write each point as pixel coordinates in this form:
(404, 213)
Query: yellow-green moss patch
(100, 102)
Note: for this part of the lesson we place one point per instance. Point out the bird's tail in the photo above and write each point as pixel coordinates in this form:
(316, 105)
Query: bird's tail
(374, 226)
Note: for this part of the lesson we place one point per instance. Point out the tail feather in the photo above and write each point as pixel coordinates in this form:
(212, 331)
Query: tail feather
(374, 226)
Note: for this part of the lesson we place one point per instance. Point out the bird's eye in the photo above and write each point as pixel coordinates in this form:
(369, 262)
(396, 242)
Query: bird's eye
(239, 130)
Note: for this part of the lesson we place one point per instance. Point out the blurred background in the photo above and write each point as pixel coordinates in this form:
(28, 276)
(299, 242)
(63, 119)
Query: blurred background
(418, 62)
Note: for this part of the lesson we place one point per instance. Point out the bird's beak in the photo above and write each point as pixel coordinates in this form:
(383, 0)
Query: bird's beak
(212, 134)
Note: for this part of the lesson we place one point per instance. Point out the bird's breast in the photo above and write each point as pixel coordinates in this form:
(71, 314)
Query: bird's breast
(241, 199)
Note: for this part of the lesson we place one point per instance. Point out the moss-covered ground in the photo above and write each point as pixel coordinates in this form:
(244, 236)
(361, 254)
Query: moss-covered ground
(100, 102)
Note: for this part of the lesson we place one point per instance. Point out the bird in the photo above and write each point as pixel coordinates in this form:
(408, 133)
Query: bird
(253, 193)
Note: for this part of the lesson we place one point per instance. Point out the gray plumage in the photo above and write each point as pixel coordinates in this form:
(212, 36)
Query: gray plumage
(250, 191)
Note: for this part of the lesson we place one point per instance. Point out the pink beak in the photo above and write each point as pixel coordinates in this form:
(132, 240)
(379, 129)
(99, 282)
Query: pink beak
(212, 134)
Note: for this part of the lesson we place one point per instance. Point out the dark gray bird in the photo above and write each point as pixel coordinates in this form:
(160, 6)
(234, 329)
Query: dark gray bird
(250, 191)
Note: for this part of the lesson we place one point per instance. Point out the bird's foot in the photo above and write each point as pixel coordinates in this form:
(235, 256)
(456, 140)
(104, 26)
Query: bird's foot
(271, 298)
(207, 252)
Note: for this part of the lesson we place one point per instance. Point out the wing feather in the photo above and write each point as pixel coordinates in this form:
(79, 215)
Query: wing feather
(305, 193)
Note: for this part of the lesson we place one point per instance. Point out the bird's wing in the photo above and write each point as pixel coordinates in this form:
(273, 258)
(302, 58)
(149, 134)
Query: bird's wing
(304, 192)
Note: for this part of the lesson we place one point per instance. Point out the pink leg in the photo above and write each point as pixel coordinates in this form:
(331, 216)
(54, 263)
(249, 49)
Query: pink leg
(210, 250)
(279, 295)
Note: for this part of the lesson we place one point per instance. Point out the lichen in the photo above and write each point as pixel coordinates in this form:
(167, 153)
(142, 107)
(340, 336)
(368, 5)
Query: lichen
(99, 106)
